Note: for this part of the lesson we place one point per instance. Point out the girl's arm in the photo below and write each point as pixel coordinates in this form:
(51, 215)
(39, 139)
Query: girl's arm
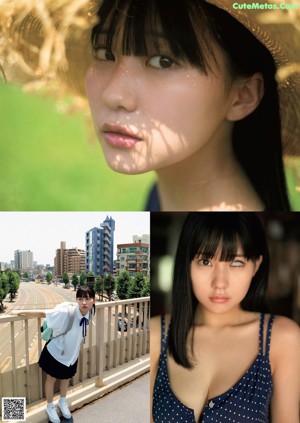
(155, 340)
(285, 360)
(33, 313)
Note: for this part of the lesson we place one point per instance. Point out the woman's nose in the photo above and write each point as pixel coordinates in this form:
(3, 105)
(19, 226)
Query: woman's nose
(121, 89)
(220, 276)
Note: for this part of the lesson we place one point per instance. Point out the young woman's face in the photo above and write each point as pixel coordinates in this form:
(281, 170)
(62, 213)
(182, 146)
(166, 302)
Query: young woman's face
(153, 112)
(221, 286)
(85, 304)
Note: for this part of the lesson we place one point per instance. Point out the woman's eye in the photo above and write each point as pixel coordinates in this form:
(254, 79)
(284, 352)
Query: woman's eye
(161, 62)
(237, 263)
(101, 53)
(204, 262)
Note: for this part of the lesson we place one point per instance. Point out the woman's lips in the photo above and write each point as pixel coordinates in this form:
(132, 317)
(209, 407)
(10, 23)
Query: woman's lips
(219, 299)
(118, 136)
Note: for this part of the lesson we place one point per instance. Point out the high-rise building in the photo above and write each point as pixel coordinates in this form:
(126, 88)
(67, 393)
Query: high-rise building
(134, 257)
(74, 261)
(100, 248)
(59, 259)
(23, 260)
(69, 260)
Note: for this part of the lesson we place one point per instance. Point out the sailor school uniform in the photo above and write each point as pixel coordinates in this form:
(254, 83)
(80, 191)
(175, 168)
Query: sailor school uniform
(63, 351)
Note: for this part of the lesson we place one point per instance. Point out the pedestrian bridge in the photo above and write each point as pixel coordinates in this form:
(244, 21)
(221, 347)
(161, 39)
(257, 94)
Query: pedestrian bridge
(115, 352)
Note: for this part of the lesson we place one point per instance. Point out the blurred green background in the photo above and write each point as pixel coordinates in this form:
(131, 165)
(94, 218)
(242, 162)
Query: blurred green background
(50, 160)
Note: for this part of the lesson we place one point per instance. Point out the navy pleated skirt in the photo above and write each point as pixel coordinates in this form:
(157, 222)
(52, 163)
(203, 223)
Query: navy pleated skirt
(54, 368)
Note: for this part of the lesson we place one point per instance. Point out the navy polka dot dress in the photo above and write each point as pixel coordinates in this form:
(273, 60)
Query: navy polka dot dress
(246, 402)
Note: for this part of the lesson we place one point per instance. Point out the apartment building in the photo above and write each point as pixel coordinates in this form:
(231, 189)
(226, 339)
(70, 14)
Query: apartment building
(70, 260)
(100, 248)
(23, 260)
(134, 257)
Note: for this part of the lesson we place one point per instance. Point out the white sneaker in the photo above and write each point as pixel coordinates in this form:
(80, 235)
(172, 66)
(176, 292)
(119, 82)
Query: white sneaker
(63, 405)
(52, 414)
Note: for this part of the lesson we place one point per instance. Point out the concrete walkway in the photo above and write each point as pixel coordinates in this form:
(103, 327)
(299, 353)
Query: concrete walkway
(123, 395)
(129, 404)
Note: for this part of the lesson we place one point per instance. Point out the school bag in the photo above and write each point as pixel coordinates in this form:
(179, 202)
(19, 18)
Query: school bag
(47, 332)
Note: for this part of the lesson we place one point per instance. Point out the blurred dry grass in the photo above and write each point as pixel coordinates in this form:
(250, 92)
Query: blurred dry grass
(54, 18)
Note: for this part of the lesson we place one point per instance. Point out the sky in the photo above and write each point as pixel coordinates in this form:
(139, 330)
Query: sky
(42, 232)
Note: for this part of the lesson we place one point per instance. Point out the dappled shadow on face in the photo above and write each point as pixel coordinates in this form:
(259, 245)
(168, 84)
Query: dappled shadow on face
(173, 113)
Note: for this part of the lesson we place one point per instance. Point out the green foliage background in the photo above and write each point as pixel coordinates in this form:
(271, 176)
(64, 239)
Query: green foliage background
(50, 160)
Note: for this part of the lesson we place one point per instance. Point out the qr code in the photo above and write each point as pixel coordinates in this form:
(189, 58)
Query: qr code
(13, 409)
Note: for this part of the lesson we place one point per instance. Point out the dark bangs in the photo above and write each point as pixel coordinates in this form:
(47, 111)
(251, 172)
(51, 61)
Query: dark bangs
(85, 291)
(223, 234)
(184, 24)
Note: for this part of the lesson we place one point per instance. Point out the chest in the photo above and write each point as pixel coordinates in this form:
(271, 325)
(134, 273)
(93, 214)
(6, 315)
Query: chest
(221, 359)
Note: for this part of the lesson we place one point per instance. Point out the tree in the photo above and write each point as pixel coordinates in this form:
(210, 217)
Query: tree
(98, 286)
(109, 285)
(3, 289)
(82, 278)
(136, 286)
(65, 279)
(75, 281)
(13, 283)
(123, 282)
(25, 275)
(146, 288)
(49, 277)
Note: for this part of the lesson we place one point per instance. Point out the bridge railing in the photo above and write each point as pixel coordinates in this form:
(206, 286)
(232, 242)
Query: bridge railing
(117, 335)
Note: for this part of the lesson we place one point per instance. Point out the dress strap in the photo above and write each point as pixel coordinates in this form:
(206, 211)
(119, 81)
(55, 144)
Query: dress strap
(164, 336)
(261, 333)
(163, 325)
(268, 337)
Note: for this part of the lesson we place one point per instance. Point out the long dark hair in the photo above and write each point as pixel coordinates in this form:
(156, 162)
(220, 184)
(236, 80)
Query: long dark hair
(193, 28)
(205, 232)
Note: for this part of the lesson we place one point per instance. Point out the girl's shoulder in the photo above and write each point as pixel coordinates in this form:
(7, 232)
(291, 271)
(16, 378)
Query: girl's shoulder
(284, 326)
(60, 313)
(285, 338)
(285, 329)
(284, 349)
(64, 307)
